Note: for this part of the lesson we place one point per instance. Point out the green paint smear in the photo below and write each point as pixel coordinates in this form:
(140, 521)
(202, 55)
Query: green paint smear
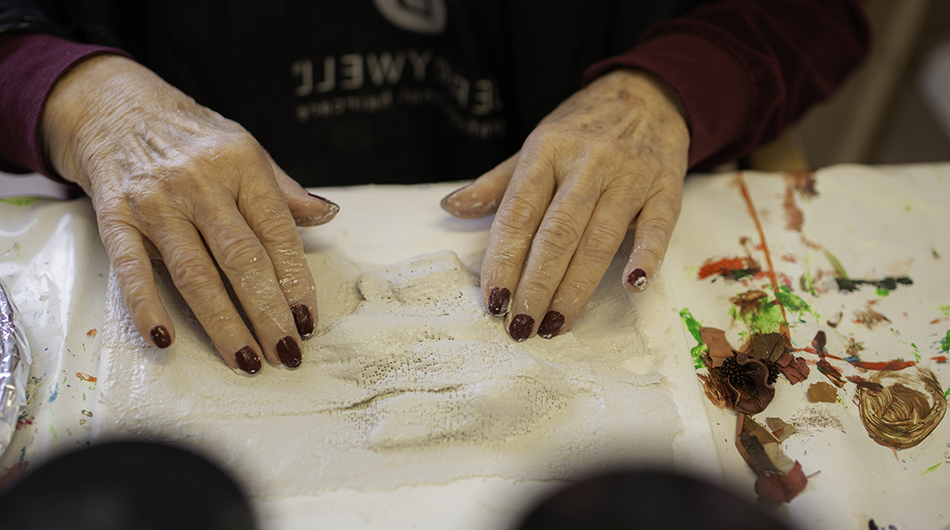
(20, 201)
(945, 309)
(808, 284)
(837, 264)
(52, 431)
(931, 469)
(768, 319)
(882, 292)
(793, 302)
(945, 342)
(693, 325)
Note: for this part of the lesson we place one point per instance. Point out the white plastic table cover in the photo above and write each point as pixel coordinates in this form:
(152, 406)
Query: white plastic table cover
(868, 223)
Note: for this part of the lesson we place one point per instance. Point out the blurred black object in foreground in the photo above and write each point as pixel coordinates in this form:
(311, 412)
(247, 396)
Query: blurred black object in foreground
(647, 499)
(124, 486)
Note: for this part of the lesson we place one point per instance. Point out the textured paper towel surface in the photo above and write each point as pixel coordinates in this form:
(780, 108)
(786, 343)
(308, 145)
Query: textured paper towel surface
(408, 381)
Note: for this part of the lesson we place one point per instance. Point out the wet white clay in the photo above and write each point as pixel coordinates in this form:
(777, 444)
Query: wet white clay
(407, 380)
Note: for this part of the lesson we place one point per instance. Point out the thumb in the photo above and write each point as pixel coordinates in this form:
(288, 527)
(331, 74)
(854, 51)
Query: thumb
(482, 197)
(306, 208)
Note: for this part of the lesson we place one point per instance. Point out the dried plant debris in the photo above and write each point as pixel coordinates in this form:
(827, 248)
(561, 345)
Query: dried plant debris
(779, 478)
(822, 392)
(742, 380)
(780, 429)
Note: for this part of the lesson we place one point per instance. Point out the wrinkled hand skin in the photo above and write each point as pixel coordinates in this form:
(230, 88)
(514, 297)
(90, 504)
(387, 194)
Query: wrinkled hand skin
(172, 180)
(612, 156)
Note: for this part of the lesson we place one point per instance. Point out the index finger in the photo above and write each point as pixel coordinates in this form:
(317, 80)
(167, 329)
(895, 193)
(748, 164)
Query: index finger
(518, 217)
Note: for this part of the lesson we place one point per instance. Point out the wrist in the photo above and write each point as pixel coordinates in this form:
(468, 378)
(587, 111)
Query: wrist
(82, 97)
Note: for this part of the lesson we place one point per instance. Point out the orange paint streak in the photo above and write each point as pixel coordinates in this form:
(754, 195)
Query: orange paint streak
(939, 320)
(765, 246)
(86, 377)
(940, 359)
(724, 266)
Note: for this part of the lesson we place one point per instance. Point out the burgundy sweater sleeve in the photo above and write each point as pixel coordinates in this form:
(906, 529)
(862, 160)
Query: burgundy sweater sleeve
(746, 69)
(30, 64)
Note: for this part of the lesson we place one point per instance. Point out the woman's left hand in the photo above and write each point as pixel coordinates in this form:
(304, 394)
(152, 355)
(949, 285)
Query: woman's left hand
(611, 156)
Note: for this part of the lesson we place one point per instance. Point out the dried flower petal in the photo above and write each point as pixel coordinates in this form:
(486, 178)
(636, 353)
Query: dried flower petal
(719, 347)
(794, 368)
(755, 396)
(778, 489)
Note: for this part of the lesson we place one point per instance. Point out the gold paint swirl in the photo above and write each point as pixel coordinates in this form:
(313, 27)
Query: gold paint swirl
(905, 411)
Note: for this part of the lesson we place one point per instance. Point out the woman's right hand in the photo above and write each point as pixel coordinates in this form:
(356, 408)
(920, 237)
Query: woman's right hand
(173, 180)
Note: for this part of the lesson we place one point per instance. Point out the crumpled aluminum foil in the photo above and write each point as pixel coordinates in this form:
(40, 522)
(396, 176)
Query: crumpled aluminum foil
(14, 367)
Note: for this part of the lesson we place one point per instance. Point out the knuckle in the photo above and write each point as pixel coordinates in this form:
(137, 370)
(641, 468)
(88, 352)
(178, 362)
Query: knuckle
(538, 286)
(601, 243)
(561, 228)
(193, 273)
(242, 253)
(278, 230)
(517, 214)
(657, 228)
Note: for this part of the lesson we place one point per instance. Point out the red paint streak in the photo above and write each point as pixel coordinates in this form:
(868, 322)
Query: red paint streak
(765, 245)
(884, 365)
(86, 377)
(787, 257)
(942, 359)
(92, 333)
(724, 266)
(23, 423)
(939, 320)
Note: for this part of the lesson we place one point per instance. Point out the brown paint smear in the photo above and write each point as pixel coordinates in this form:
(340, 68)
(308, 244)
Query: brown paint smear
(905, 411)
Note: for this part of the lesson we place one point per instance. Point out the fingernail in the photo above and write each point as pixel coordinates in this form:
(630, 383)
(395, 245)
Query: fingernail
(520, 327)
(247, 360)
(334, 207)
(449, 197)
(161, 337)
(498, 299)
(551, 324)
(289, 352)
(325, 200)
(638, 279)
(303, 318)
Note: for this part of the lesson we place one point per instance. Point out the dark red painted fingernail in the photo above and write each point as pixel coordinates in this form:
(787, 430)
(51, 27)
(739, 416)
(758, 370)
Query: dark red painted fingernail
(551, 324)
(520, 327)
(334, 207)
(247, 360)
(638, 279)
(161, 337)
(289, 352)
(303, 318)
(498, 299)
(319, 198)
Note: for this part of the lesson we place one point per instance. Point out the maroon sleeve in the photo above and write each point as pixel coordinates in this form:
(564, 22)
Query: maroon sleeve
(30, 64)
(746, 69)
